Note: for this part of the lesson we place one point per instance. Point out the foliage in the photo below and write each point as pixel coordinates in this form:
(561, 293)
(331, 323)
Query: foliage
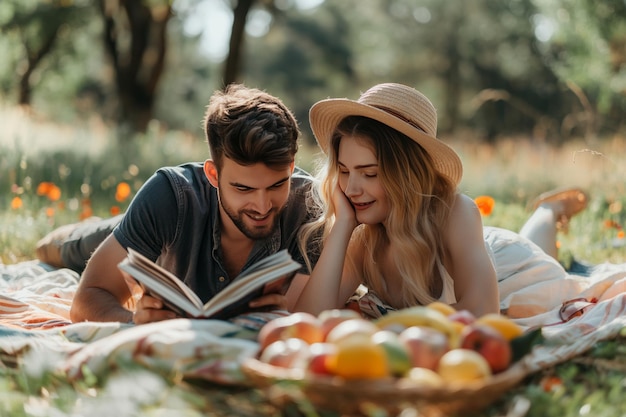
(552, 70)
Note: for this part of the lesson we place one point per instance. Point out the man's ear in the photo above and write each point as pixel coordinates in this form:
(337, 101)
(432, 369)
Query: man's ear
(210, 170)
(293, 166)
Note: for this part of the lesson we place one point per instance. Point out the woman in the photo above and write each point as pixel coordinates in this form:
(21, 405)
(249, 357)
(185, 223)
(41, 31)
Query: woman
(394, 220)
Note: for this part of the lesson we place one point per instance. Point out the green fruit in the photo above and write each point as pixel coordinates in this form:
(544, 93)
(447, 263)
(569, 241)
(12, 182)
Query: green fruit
(398, 357)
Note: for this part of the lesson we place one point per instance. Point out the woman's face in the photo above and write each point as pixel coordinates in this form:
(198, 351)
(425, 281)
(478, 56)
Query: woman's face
(359, 180)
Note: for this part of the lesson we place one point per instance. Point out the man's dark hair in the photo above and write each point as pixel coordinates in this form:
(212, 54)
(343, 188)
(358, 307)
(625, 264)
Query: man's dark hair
(250, 126)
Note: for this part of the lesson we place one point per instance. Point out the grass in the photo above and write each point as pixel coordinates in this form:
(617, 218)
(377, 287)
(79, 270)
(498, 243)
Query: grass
(87, 163)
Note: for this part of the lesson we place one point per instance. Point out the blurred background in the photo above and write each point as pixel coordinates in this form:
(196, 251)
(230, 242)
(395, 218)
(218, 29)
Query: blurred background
(95, 95)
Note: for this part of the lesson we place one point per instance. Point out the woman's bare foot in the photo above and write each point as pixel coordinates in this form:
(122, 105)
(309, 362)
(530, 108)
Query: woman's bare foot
(565, 202)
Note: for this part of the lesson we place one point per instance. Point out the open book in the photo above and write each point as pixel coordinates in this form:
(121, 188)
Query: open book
(272, 274)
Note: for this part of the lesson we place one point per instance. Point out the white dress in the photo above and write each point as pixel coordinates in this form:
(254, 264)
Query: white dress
(518, 262)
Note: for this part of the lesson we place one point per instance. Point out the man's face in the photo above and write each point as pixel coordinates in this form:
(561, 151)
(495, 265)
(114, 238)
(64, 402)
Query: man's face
(253, 196)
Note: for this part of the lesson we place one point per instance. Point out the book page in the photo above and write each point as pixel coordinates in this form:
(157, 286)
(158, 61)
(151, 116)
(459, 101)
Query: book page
(239, 291)
(164, 276)
(232, 300)
(171, 297)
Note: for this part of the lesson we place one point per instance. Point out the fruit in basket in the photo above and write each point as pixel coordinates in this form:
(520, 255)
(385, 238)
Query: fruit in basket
(318, 358)
(462, 366)
(462, 316)
(443, 308)
(300, 325)
(398, 356)
(424, 377)
(507, 327)
(420, 316)
(358, 357)
(288, 353)
(426, 346)
(331, 318)
(349, 328)
(489, 343)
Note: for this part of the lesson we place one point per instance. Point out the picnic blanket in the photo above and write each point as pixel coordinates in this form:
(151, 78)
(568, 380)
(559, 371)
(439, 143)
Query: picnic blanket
(35, 326)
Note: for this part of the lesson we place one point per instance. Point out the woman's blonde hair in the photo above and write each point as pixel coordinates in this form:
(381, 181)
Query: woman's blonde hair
(419, 198)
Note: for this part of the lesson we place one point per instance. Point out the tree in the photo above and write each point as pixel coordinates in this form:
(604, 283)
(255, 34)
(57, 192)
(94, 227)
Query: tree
(135, 41)
(38, 26)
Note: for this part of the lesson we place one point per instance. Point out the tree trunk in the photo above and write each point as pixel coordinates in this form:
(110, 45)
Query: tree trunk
(138, 64)
(237, 36)
(33, 59)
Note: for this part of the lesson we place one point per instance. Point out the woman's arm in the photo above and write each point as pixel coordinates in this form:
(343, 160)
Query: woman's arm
(331, 282)
(469, 265)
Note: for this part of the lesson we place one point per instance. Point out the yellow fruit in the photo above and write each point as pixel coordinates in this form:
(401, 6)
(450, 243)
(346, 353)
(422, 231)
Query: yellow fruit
(425, 377)
(458, 326)
(420, 316)
(358, 357)
(351, 327)
(443, 308)
(504, 325)
(463, 365)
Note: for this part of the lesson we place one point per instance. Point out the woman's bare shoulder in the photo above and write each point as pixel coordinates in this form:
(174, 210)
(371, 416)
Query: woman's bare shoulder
(463, 205)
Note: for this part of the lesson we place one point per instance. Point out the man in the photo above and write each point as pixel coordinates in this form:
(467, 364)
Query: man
(206, 222)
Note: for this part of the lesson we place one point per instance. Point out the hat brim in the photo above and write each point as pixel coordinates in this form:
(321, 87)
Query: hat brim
(325, 115)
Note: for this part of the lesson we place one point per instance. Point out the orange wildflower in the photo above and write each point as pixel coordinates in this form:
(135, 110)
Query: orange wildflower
(54, 194)
(115, 210)
(44, 187)
(16, 203)
(85, 213)
(49, 190)
(485, 204)
(50, 211)
(610, 224)
(620, 234)
(122, 192)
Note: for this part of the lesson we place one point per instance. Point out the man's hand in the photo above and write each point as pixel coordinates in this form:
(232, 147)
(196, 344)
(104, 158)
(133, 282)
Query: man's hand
(150, 309)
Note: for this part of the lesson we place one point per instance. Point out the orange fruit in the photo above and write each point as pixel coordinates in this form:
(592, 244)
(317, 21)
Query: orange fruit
(358, 357)
(504, 325)
(463, 365)
(443, 308)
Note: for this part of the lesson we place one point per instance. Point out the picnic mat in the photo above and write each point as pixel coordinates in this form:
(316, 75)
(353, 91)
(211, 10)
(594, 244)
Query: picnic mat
(35, 326)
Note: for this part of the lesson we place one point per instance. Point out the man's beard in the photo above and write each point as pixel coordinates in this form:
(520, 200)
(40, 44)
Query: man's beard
(252, 233)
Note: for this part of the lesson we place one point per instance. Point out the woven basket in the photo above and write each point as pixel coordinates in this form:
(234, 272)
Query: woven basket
(357, 396)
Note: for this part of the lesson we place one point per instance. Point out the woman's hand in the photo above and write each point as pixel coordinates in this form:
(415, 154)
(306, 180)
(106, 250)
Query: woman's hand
(275, 301)
(344, 209)
(150, 309)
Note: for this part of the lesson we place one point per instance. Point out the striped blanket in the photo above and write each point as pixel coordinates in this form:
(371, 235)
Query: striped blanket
(35, 326)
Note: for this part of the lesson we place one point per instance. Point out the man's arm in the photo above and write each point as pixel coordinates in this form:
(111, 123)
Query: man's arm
(102, 290)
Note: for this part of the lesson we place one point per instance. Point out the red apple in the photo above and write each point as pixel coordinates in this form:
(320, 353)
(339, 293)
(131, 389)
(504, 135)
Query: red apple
(301, 325)
(462, 316)
(288, 353)
(330, 318)
(489, 343)
(426, 346)
(318, 358)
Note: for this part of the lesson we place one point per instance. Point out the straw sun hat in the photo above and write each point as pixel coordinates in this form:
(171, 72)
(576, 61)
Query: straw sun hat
(397, 106)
